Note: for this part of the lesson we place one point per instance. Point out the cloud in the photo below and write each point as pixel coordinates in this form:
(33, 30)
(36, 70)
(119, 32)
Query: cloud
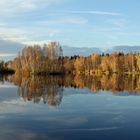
(65, 121)
(95, 129)
(118, 23)
(65, 20)
(13, 102)
(9, 49)
(12, 106)
(7, 55)
(91, 12)
(9, 7)
(12, 132)
(24, 33)
(8, 32)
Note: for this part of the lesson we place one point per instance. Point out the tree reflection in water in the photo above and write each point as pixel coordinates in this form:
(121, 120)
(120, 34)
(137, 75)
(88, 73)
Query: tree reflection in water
(50, 88)
(37, 88)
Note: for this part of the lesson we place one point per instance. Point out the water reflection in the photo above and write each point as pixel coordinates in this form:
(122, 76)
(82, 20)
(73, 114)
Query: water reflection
(50, 89)
(79, 117)
(114, 83)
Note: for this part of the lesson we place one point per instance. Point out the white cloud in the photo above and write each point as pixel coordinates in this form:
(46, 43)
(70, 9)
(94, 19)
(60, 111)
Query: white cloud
(41, 28)
(41, 43)
(52, 33)
(19, 102)
(118, 23)
(6, 55)
(12, 34)
(68, 20)
(9, 7)
(25, 34)
(92, 12)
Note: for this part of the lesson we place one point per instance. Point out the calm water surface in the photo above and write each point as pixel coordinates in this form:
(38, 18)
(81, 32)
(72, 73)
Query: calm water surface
(66, 113)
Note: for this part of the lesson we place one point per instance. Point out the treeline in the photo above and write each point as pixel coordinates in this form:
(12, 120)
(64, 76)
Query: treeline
(49, 59)
(108, 63)
(37, 59)
(97, 64)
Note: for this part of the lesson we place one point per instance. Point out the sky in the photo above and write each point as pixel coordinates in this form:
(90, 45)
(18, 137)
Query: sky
(77, 23)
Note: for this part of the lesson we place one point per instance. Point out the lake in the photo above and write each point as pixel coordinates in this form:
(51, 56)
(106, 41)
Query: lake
(69, 108)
